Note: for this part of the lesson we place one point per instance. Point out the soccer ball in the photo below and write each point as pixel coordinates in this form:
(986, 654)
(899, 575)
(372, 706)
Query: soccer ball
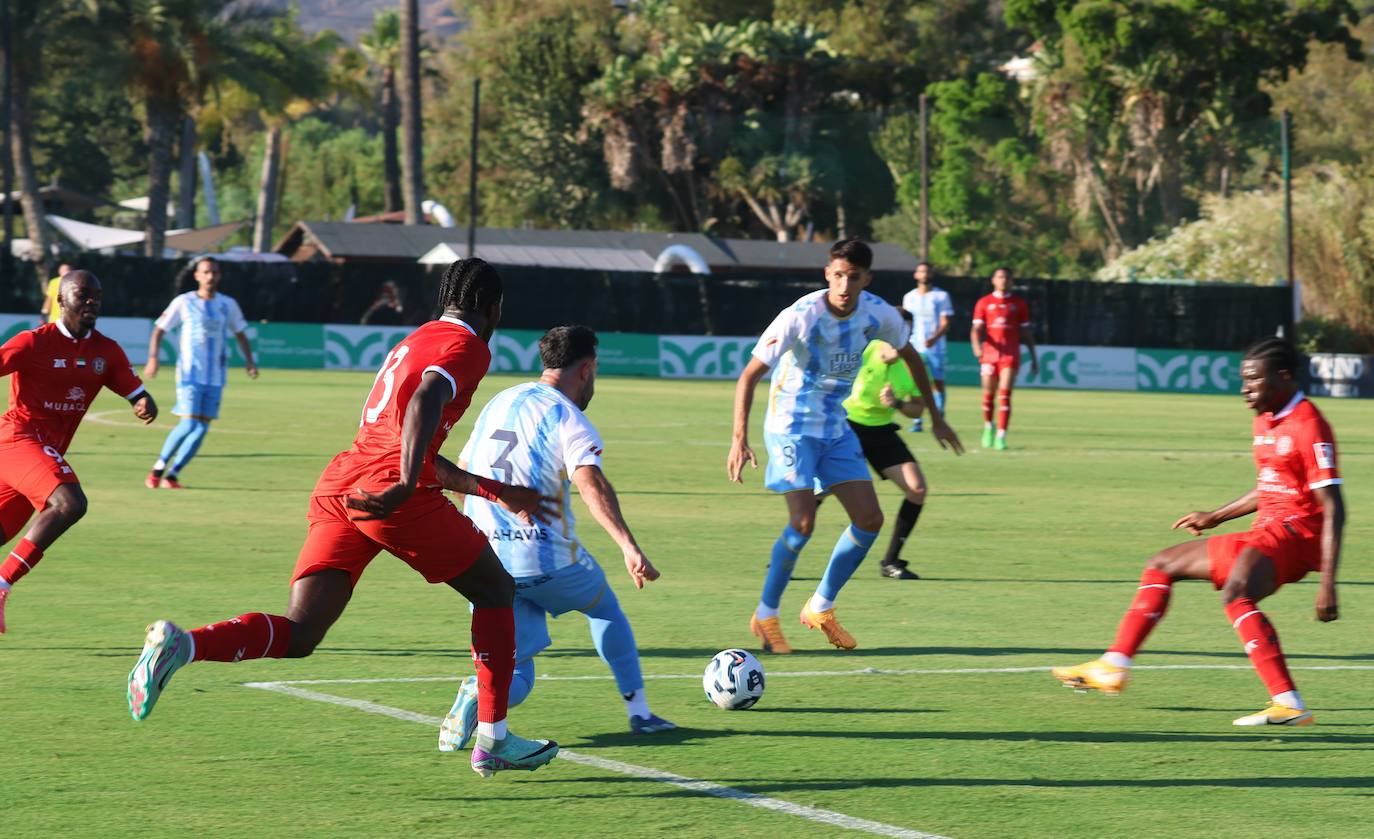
(733, 680)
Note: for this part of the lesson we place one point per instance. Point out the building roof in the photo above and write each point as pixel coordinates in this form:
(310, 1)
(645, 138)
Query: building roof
(351, 241)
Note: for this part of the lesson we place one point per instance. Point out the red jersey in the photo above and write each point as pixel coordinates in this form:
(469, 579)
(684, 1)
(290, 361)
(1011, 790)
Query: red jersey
(1003, 318)
(448, 347)
(1295, 453)
(54, 377)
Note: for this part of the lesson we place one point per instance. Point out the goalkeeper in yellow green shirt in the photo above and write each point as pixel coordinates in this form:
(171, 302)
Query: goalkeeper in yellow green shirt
(881, 388)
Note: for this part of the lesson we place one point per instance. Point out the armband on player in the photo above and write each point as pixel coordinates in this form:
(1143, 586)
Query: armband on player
(489, 489)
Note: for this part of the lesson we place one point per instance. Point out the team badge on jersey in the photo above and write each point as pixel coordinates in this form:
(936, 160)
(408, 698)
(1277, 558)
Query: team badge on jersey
(1325, 454)
(99, 366)
(1284, 445)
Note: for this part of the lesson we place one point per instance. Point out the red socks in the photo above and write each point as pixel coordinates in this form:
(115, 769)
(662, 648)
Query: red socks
(254, 635)
(493, 651)
(20, 561)
(1261, 644)
(1003, 409)
(1151, 601)
(987, 407)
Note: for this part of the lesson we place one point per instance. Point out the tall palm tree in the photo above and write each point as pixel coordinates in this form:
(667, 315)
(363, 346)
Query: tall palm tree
(33, 23)
(412, 162)
(382, 46)
(177, 50)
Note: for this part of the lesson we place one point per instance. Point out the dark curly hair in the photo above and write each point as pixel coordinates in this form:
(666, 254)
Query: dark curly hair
(564, 346)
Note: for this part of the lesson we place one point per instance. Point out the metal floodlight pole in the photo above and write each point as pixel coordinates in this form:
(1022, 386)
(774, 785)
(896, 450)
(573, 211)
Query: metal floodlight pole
(472, 169)
(1286, 141)
(925, 180)
(6, 117)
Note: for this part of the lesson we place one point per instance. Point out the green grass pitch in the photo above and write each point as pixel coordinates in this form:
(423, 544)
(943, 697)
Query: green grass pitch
(1028, 559)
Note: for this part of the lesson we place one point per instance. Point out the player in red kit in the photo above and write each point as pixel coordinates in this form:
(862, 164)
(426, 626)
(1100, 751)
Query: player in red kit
(386, 494)
(55, 372)
(1001, 324)
(1298, 527)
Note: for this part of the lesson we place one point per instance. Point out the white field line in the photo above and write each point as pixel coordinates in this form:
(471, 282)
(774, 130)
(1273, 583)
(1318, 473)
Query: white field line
(103, 418)
(813, 814)
(808, 674)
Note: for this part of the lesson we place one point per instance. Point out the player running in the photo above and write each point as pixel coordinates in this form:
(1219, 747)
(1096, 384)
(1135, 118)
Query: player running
(931, 309)
(394, 476)
(1300, 522)
(536, 434)
(1001, 324)
(881, 388)
(58, 369)
(206, 318)
(817, 345)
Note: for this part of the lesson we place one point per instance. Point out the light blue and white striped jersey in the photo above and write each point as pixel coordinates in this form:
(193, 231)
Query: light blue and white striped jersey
(926, 311)
(530, 435)
(206, 326)
(815, 357)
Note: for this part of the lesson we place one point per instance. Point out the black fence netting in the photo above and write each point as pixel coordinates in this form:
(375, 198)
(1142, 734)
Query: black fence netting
(1215, 317)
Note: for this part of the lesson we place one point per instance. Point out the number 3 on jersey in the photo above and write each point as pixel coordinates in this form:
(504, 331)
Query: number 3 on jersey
(386, 379)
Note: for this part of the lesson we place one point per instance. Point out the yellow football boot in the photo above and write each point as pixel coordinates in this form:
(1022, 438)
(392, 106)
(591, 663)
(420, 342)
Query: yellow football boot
(1276, 714)
(1094, 675)
(769, 633)
(825, 621)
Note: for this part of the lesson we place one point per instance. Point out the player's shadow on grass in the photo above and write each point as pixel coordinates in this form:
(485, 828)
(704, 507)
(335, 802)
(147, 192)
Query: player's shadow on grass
(1340, 782)
(1073, 736)
(676, 737)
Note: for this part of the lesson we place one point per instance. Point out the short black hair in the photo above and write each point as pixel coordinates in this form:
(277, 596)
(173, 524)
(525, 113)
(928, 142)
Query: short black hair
(1278, 353)
(206, 258)
(855, 251)
(1011, 275)
(469, 285)
(564, 346)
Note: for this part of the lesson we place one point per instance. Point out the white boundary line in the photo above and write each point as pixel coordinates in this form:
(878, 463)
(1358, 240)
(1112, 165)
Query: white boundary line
(813, 814)
(807, 674)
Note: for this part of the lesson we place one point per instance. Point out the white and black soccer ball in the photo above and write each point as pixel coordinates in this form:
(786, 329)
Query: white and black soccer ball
(733, 680)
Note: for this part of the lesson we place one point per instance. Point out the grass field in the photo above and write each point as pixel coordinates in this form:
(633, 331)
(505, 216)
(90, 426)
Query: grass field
(943, 722)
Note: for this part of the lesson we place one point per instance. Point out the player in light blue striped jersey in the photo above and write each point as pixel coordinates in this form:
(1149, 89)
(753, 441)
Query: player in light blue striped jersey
(207, 318)
(815, 348)
(931, 309)
(536, 434)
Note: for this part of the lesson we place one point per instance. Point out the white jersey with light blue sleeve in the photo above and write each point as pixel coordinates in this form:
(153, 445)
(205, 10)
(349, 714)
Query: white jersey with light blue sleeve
(926, 311)
(531, 435)
(206, 326)
(815, 357)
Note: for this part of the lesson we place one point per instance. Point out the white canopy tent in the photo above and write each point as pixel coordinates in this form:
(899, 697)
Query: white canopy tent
(96, 237)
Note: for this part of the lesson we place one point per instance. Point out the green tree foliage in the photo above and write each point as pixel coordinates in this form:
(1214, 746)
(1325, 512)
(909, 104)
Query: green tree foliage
(1136, 98)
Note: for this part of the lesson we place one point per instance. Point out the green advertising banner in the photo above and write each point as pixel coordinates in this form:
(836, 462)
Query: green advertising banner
(293, 346)
(703, 357)
(1187, 371)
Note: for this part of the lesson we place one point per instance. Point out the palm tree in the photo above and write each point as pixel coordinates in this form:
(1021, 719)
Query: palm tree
(382, 46)
(32, 24)
(412, 162)
(177, 50)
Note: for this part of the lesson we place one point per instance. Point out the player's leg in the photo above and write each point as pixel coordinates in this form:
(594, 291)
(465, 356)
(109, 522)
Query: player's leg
(988, 377)
(205, 409)
(36, 477)
(170, 447)
(791, 472)
(1006, 381)
(332, 559)
(844, 472)
(908, 477)
(531, 637)
(15, 510)
(1253, 577)
(490, 589)
(1111, 672)
(615, 643)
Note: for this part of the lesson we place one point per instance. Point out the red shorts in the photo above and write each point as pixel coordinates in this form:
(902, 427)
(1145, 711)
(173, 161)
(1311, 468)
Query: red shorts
(29, 472)
(1293, 554)
(991, 365)
(427, 532)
